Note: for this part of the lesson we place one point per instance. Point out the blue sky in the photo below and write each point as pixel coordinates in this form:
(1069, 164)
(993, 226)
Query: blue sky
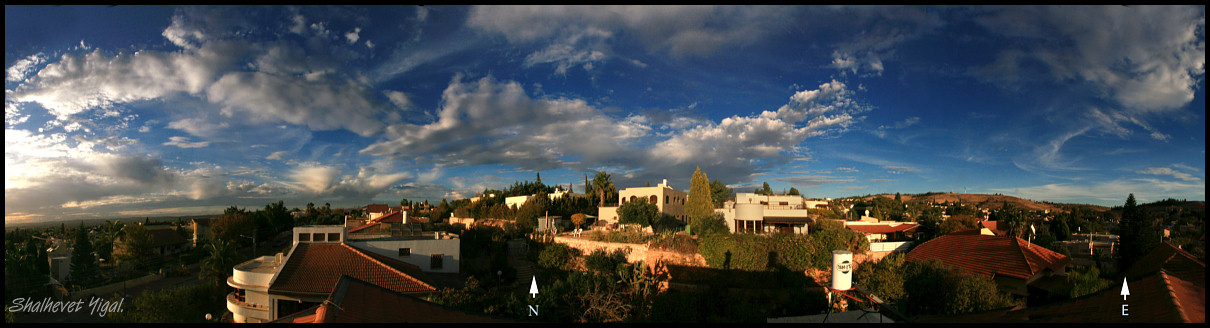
(137, 111)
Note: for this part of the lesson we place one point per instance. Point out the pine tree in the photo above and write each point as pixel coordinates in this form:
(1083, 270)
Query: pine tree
(1137, 234)
(84, 270)
(699, 204)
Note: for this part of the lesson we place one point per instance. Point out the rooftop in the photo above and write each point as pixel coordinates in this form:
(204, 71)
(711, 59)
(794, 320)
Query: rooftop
(357, 301)
(990, 256)
(313, 269)
(881, 228)
(263, 264)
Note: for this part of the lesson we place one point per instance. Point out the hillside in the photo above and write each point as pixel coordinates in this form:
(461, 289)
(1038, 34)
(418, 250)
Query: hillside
(990, 201)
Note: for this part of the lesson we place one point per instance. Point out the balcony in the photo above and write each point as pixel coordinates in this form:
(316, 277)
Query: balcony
(242, 309)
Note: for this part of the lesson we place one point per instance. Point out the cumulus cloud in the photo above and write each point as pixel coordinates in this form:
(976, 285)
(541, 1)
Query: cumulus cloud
(292, 82)
(489, 122)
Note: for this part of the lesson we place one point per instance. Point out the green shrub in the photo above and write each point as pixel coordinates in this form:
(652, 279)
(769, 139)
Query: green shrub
(554, 256)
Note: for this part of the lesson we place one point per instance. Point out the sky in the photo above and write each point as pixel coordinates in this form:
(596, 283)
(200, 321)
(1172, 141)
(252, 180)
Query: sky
(150, 111)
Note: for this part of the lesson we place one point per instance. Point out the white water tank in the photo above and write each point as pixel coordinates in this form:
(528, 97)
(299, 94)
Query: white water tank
(842, 270)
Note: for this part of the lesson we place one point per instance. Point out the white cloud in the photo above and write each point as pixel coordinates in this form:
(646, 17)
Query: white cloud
(678, 30)
(23, 67)
(183, 142)
(1146, 58)
(353, 36)
(300, 83)
(1109, 193)
(1167, 171)
(277, 155)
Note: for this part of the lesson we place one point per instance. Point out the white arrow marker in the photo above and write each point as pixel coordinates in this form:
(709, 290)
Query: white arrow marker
(533, 287)
(1125, 289)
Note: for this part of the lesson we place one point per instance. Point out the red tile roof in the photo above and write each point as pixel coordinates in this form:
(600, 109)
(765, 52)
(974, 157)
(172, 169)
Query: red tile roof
(314, 268)
(394, 217)
(357, 301)
(1170, 258)
(363, 227)
(1155, 298)
(990, 255)
(881, 228)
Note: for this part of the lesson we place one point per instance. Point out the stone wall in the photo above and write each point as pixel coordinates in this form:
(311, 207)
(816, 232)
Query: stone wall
(637, 252)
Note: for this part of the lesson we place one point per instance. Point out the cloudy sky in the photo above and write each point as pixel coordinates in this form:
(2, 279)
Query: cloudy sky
(138, 111)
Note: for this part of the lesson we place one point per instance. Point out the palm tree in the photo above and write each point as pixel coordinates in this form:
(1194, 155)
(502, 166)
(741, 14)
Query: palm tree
(222, 257)
(602, 183)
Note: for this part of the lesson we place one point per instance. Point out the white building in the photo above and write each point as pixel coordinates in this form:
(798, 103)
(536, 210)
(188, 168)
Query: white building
(668, 200)
(753, 213)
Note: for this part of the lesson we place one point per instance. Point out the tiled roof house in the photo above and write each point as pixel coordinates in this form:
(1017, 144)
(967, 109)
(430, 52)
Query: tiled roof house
(1013, 263)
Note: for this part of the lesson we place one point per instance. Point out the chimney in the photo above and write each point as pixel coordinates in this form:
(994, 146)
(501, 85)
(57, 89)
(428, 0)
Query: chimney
(665, 184)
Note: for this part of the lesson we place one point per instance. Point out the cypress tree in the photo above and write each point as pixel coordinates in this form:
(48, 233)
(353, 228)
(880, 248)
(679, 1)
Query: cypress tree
(699, 204)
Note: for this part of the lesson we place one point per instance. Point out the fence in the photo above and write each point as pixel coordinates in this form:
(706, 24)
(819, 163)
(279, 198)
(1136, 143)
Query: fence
(890, 246)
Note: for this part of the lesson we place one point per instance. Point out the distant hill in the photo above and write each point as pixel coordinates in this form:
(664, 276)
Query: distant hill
(990, 201)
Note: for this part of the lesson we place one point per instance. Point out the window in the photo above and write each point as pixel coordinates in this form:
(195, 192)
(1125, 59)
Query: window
(437, 261)
(655, 199)
(304, 237)
(405, 252)
(334, 237)
(319, 237)
(666, 199)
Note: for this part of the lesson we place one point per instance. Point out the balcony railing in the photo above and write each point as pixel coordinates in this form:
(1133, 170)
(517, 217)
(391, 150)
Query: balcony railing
(239, 300)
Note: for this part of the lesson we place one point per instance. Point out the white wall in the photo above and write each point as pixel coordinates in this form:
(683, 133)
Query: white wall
(421, 251)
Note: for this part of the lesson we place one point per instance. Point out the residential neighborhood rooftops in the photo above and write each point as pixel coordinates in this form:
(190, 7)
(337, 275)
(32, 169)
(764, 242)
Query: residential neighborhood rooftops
(990, 256)
(313, 268)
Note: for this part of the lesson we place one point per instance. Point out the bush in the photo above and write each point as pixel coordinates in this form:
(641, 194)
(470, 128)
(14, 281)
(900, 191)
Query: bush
(554, 256)
(672, 242)
(601, 262)
(933, 288)
(712, 224)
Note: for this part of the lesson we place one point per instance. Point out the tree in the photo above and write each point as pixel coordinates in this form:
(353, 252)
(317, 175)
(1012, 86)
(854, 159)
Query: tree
(883, 278)
(578, 219)
(602, 183)
(698, 205)
(84, 269)
(136, 242)
(793, 192)
(719, 193)
(1136, 234)
(221, 257)
(766, 191)
(232, 225)
(279, 216)
(638, 212)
